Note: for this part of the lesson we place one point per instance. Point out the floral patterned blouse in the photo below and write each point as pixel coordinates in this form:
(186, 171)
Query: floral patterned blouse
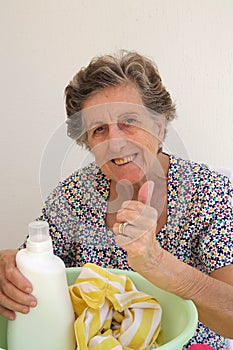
(198, 231)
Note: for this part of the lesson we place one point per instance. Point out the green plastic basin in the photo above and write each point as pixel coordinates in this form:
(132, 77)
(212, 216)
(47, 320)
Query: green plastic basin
(179, 319)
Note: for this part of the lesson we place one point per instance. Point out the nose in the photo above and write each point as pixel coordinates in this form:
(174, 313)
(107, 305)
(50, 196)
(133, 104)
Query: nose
(116, 138)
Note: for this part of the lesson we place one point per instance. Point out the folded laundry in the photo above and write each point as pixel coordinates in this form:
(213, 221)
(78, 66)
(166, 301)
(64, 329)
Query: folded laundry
(112, 313)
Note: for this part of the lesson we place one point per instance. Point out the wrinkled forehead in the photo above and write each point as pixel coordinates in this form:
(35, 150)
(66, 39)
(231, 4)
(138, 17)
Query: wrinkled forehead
(116, 112)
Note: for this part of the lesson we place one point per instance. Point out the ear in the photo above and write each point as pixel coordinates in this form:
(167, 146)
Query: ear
(161, 123)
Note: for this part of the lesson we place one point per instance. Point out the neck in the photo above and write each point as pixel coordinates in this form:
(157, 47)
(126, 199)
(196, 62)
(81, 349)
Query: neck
(123, 190)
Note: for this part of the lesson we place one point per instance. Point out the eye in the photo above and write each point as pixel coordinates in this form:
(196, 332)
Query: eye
(99, 130)
(129, 120)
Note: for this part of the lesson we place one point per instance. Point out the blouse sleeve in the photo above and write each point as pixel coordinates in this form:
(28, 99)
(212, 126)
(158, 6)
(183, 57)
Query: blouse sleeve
(215, 223)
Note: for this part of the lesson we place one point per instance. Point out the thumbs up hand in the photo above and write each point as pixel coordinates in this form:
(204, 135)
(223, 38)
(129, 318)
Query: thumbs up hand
(145, 192)
(137, 235)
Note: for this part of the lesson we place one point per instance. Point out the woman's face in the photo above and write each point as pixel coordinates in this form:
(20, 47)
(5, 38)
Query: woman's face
(121, 133)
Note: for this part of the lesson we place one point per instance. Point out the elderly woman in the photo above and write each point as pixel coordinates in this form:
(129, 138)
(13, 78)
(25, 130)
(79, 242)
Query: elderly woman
(137, 207)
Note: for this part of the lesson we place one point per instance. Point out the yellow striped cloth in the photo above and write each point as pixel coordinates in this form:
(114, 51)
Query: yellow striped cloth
(112, 313)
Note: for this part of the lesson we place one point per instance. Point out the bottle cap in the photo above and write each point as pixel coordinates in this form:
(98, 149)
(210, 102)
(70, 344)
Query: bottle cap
(39, 231)
(39, 239)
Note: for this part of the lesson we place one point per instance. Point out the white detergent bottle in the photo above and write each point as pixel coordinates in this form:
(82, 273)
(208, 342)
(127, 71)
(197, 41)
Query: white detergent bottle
(50, 325)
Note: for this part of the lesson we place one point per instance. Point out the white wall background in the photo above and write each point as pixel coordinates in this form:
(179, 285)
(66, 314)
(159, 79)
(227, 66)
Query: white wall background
(44, 43)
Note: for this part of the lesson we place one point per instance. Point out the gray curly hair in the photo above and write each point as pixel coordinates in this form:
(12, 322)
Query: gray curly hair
(112, 70)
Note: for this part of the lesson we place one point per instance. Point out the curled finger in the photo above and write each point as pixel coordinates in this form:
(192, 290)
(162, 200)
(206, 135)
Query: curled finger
(127, 233)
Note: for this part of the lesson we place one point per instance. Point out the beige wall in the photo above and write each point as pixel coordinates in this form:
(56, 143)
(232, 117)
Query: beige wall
(44, 42)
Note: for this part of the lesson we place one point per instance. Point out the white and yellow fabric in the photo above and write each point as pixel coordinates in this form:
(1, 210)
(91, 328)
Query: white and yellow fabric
(112, 313)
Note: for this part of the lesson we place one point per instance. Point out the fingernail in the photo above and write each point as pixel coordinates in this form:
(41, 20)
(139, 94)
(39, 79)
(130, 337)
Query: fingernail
(151, 186)
(26, 310)
(28, 290)
(33, 303)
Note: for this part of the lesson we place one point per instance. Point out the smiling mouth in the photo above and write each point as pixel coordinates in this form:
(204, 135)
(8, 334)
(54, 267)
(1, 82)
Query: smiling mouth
(125, 160)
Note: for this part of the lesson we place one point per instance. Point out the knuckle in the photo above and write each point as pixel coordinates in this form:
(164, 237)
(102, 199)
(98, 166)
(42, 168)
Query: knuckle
(7, 263)
(118, 216)
(3, 311)
(4, 288)
(115, 228)
(9, 272)
(4, 257)
(2, 299)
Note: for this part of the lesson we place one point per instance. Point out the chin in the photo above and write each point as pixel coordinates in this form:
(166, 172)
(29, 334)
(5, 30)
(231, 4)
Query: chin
(132, 178)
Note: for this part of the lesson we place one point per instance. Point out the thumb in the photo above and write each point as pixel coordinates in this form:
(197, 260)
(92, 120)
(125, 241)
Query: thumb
(145, 192)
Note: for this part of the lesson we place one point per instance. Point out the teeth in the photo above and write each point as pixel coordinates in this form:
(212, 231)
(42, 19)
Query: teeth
(121, 161)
